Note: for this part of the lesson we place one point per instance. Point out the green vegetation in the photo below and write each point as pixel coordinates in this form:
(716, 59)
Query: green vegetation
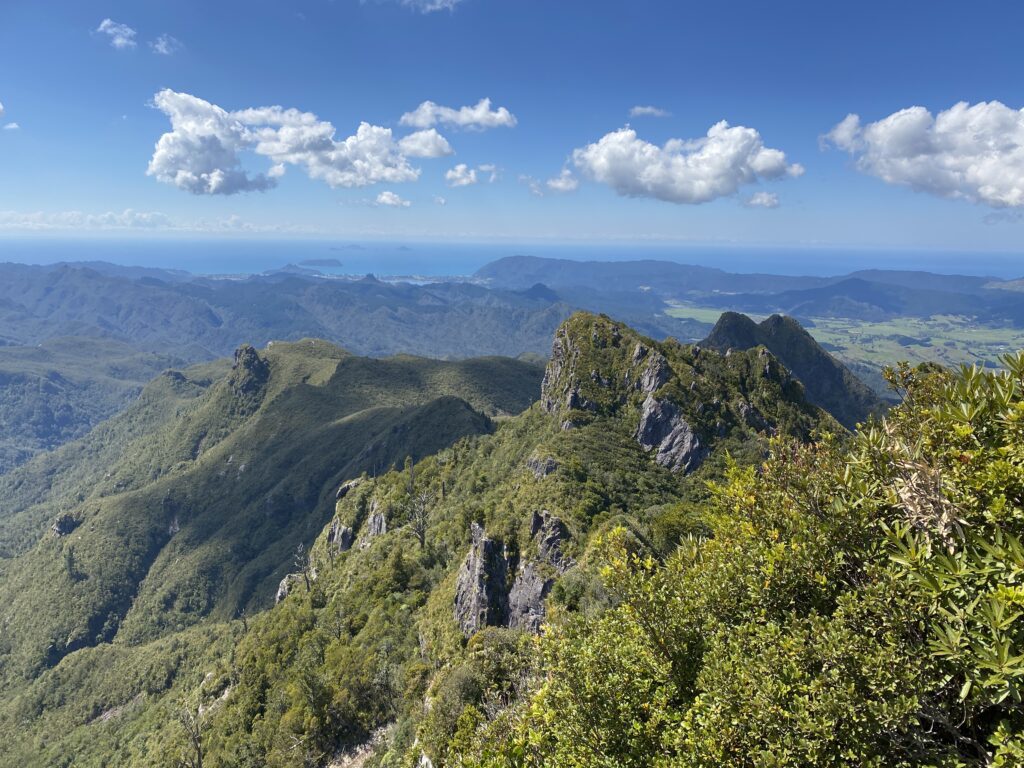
(725, 576)
(373, 632)
(868, 346)
(829, 383)
(847, 606)
(207, 488)
(59, 390)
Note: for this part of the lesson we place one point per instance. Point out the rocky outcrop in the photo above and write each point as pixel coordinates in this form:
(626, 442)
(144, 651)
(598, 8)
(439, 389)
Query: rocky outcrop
(249, 373)
(650, 371)
(376, 525)
(64, 525)
(526, 600)
(484, 594)
(663, 429)
(344, 488)
(753, 418)
(550, 533)
(287, 584)
(339, 536)
(481, 591)
(541, 467)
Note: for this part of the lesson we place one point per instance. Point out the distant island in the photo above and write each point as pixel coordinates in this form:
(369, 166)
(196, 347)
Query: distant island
(334, 263)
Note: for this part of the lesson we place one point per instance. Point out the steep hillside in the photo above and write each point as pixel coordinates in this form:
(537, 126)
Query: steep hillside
(200, 514)
(829, 383)
(58, 390)
(426, 581)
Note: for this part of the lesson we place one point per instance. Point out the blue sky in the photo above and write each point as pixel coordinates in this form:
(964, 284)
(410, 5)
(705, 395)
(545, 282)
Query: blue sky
(85, 97)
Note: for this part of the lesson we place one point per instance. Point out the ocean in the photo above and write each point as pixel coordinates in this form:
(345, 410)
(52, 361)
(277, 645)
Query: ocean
(432, 259)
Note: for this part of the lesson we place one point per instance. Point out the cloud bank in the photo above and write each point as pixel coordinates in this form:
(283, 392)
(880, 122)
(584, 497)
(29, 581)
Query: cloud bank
(970, 151)
(202, 151)
(683, 171)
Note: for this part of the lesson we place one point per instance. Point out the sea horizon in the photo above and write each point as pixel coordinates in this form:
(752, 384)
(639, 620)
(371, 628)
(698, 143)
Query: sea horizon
(463, 258)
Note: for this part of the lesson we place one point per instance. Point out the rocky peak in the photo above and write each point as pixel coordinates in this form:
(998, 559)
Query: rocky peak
(595, 362)
(249, 373)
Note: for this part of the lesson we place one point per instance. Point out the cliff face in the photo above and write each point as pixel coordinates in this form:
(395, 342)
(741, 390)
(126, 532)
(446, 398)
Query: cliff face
(681, 399)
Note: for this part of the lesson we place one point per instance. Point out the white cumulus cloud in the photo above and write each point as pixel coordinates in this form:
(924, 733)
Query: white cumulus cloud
(202, 151)
(480, 116)
(121, 35)
(165, 45)
(392, 200)
(461, 176)
(970, 151)
(438, 200)
(428, 143)
(639, 111)
(11, 126)
(763, 200)
(564, 182)
(683, 171)
(1, 109)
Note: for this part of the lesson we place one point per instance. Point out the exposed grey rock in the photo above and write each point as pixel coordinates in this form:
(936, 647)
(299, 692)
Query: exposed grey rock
(655, 374)
(340, 536)
(551, 399)
(526, 600)
(534, 580)
(481, 592)
(639, 353)
(376, 525)
(541, 467)
(64, 525)
(344, 488)
(663, 428)
(574, 401)
(285, 587)
(483, 595)
(549, 533)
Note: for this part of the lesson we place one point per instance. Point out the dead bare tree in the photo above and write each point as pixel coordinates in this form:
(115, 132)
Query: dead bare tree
(302, 563)
(190, 719)
(419, 512)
